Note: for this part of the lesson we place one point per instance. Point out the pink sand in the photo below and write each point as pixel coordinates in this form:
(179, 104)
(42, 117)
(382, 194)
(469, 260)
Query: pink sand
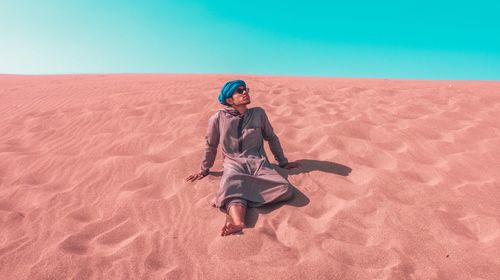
(92, 171)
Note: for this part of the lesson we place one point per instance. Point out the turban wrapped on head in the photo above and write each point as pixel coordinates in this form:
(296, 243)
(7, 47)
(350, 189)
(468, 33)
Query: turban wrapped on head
(228, 90)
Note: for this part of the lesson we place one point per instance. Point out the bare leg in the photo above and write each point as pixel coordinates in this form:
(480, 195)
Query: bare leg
(236, 221)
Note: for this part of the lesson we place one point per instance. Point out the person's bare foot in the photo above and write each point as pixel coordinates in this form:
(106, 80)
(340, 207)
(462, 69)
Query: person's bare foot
(230, 228)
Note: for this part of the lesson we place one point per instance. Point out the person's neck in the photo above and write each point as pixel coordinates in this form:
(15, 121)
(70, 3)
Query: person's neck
(240, 108)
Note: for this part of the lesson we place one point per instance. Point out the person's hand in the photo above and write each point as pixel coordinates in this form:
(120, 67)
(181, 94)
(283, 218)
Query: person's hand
(293, 164)
(195, 177)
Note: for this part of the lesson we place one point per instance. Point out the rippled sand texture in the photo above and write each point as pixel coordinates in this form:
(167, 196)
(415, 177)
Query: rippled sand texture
(400, 180)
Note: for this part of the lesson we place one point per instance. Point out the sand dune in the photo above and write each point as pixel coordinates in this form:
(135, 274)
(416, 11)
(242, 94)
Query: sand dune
(400, 180)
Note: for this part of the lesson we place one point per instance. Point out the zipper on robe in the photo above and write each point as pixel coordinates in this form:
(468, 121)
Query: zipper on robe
(240, 133)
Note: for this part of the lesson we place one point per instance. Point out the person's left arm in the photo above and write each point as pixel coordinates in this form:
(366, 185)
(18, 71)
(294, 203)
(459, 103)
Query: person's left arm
(273, 140)
(275, 145)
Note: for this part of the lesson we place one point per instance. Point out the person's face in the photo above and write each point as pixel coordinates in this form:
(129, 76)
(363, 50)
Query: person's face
(240, 96)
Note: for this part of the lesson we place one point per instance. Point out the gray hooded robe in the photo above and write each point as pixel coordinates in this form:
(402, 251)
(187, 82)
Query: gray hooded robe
(247, 172)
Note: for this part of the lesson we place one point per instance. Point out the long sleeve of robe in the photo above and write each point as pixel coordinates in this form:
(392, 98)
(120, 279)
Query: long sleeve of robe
(273, 140)
(211, 144)
(247, 172)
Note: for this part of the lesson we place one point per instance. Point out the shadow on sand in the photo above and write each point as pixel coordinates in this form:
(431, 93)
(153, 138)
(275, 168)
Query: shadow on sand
(299, 199)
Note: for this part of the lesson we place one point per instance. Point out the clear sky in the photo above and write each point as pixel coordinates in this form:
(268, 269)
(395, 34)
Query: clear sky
(415, 39)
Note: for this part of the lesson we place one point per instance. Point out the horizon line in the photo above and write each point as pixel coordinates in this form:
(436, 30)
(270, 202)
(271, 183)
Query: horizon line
(244, 74)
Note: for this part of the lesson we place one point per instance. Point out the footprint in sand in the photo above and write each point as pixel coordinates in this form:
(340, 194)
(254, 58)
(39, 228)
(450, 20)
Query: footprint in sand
(361, 256)
(112, 234)
(84, 214)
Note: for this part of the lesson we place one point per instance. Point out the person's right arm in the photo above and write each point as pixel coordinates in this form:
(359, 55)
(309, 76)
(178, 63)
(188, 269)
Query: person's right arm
(210, 151)
(211, 144)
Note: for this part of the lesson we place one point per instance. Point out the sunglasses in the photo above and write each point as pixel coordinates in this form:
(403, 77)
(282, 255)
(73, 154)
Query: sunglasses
(241, 90)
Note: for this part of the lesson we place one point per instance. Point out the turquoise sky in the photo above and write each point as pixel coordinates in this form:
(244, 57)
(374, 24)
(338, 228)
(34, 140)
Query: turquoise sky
(387, 39)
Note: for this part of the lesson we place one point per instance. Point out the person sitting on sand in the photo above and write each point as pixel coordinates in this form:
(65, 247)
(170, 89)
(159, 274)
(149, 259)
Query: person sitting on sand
(248, 178)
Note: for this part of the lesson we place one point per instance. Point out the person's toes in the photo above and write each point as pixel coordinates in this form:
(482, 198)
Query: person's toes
(230, 229)
(223, 230)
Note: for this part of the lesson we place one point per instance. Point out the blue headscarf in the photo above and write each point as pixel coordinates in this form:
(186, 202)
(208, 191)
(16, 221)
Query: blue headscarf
(228, 90)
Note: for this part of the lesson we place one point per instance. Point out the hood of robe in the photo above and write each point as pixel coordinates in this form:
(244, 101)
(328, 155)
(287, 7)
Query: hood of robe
(233, 111)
